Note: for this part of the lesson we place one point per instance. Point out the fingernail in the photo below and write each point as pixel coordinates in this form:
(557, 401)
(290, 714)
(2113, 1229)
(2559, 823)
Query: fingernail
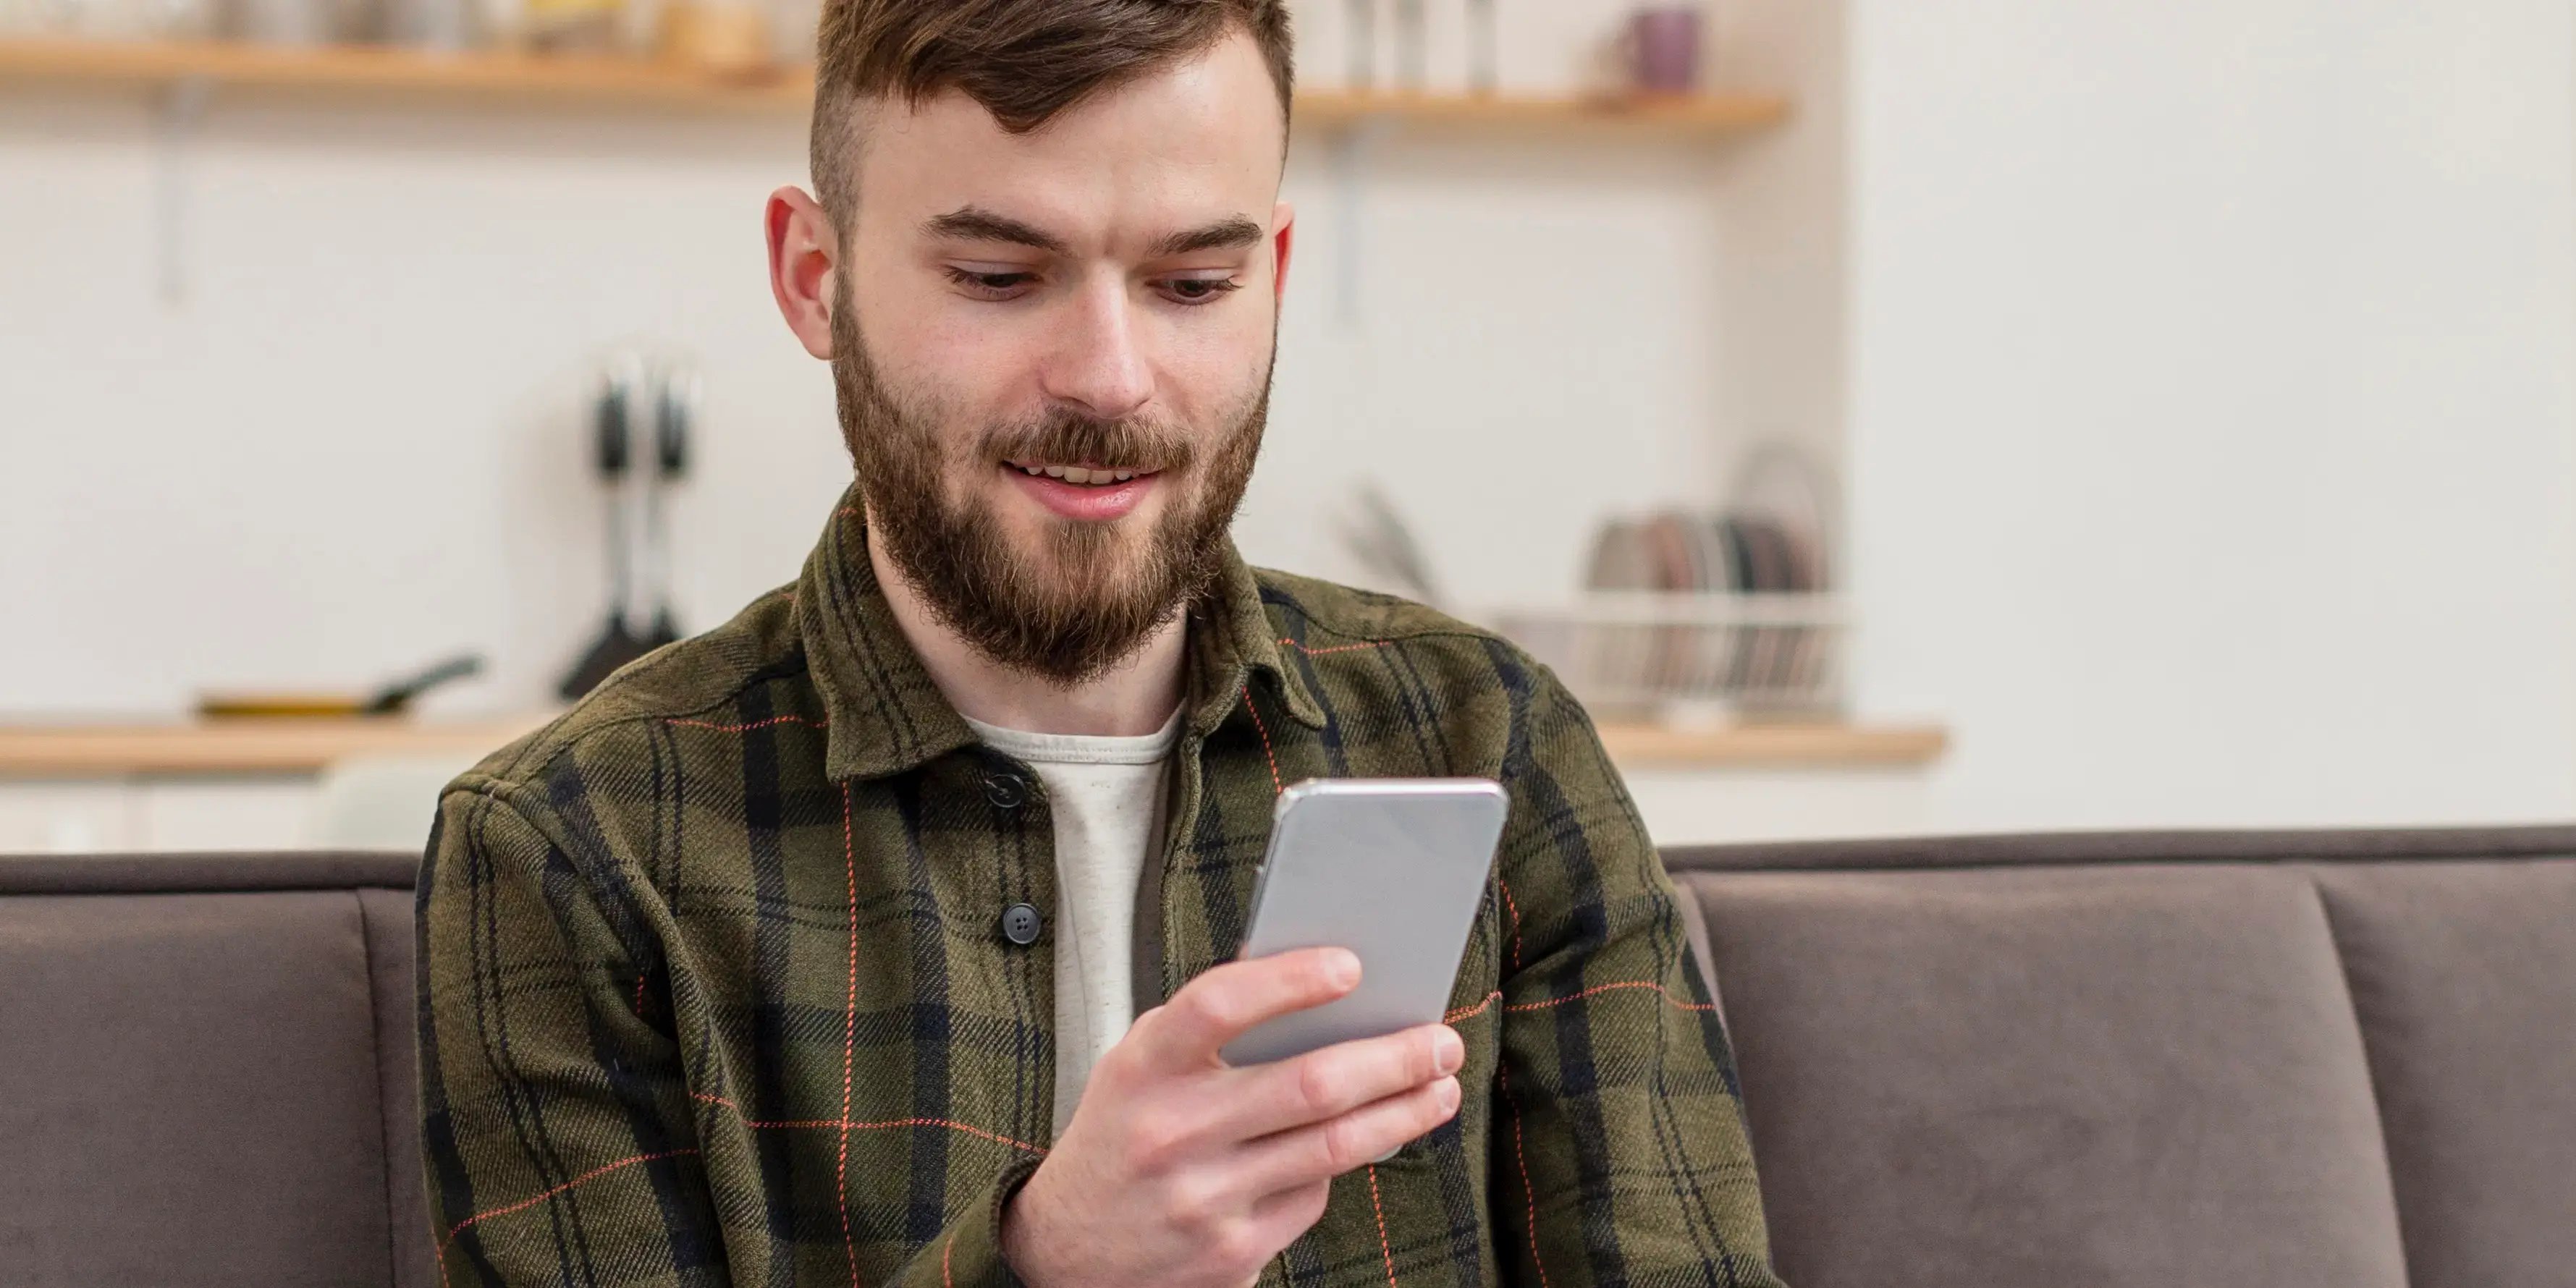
(1342, 967)
(1451, 1051)
(1448, 1095)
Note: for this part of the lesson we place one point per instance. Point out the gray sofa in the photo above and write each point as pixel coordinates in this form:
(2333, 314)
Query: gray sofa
(2334, 1059)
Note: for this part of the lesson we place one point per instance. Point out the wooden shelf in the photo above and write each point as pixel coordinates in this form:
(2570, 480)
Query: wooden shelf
(236, 746)
(397, 73)
(386, 72)
(1700, 115)
(306, 746)
(1816, 746)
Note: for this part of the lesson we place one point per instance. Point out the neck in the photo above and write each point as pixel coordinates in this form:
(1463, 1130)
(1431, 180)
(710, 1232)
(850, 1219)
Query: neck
(1134, 699)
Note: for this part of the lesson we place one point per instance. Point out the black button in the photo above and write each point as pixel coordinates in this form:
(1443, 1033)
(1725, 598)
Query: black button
(1020, 924)
(1006, 791)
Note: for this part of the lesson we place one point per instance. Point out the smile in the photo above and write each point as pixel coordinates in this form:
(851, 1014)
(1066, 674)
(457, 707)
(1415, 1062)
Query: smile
(1082, 475)
(1083, 493)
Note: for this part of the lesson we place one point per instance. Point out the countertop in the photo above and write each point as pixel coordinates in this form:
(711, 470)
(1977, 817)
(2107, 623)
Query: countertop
(306, 746)
(247, 746)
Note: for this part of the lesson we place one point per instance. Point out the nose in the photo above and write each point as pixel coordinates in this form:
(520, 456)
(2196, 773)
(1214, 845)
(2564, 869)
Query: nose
(1096, 364)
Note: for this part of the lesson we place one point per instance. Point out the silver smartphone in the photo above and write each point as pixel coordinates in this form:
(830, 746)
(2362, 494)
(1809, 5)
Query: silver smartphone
(1390, 868)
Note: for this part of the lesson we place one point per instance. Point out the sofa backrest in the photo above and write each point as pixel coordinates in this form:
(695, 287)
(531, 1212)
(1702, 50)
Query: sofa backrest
(2285, 1058)
(2340, 1059)
(206, 1072)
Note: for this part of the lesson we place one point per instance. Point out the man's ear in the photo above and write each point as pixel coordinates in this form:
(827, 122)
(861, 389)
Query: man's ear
(804, 266)
(1284, 218)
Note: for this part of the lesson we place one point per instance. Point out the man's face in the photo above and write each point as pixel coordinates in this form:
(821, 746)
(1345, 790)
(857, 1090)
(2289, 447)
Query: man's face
(1053, 352)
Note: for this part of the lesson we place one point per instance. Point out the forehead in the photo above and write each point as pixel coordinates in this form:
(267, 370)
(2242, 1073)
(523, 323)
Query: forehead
(1197, 140)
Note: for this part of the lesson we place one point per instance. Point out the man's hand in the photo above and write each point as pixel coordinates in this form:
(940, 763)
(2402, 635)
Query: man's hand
(1180, 1169)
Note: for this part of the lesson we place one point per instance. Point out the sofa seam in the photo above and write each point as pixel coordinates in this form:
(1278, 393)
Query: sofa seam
(2335, 942)
(385, 1152)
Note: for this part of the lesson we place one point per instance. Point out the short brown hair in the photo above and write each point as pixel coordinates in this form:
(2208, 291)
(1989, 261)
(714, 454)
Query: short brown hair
(1025, 61)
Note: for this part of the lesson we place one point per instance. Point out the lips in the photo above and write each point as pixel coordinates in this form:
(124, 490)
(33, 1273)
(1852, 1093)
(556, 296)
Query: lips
(1099, 496)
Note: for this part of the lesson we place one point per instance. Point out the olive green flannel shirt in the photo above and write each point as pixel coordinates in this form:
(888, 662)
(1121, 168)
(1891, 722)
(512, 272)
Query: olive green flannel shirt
(713, 989)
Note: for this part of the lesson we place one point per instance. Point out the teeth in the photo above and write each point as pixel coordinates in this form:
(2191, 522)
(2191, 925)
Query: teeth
(1088, 476)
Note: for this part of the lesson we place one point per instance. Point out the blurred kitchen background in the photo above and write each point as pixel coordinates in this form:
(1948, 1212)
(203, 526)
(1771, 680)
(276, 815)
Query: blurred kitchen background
(1895, 416)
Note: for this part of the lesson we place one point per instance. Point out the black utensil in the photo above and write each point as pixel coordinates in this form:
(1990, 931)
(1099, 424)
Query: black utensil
(677, 412)
(394, 697)
(617, 645)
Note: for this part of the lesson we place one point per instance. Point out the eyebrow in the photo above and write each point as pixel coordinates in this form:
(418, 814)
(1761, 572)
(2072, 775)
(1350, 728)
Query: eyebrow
(1224, 234)
(974, 223)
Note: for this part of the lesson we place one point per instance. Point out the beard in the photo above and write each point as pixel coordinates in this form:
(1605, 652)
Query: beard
(1093, 593)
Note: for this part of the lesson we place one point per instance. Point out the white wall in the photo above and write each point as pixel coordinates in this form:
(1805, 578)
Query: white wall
(2202, 372)
(357, 444)
(2212, 446)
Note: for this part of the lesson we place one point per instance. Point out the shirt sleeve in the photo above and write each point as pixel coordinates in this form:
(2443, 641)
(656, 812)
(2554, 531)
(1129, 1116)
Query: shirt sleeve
(557, 1126)
(1620, 1141)
(555, 1122)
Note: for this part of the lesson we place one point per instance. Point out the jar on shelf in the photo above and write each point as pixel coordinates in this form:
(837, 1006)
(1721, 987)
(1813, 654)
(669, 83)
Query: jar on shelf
(724, 37)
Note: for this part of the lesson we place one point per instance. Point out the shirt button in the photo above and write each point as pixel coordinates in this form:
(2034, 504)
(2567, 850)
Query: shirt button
(1020, 924)
(1006, 791)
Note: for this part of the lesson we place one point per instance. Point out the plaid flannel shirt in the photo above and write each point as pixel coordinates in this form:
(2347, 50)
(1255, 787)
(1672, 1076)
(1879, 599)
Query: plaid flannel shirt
(713, 989)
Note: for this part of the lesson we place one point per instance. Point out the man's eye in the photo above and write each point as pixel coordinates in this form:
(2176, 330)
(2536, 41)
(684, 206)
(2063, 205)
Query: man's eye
(990, 286)
(1200, 290)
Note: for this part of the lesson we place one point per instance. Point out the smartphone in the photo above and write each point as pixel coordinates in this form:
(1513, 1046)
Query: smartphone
(1390, 868)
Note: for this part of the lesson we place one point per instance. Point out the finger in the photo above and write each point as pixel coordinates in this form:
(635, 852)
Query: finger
(1322, 1151)
(1335, 1080)
(1228, 1001)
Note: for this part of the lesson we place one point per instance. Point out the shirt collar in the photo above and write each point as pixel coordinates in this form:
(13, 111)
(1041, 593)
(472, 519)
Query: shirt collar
(888, 716)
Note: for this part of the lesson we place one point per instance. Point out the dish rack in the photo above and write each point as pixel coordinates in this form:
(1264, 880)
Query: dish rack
(1685, 617)
(1684, 656)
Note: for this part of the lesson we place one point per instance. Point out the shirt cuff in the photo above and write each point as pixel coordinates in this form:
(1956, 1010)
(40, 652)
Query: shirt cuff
(970, 1249)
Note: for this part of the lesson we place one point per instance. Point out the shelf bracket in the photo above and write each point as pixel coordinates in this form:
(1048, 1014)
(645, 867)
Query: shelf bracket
(178, 111)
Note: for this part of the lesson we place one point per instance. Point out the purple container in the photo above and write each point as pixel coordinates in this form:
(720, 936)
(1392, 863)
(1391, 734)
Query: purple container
(1663, 44)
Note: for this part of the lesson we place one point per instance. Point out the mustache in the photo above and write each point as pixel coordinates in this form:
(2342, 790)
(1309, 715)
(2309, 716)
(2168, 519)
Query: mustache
(1067, 437)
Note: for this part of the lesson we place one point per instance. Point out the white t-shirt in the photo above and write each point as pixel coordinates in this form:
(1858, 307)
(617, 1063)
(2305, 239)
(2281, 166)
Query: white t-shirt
(1105, 796)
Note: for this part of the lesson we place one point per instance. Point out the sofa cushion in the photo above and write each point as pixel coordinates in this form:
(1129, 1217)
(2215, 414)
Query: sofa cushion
(388, 922)
(2464, 975)
(183, 1103)
(2135, 1075)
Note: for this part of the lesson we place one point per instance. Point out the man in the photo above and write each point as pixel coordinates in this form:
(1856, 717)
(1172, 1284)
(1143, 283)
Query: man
(885, 934)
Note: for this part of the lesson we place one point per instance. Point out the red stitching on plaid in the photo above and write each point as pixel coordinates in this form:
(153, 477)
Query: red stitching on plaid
(1338, 648)
(524, 1204)
(1467, 1011)
(849, 1040)
(1276, 784)
(1510, 903)
(1503, 1080)
(944, 1249)
(639, 995)
(1495, 996)
(1382, 1249)
(950, 1124)
(807, 721)
(1604, 988)
(995, 1137)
